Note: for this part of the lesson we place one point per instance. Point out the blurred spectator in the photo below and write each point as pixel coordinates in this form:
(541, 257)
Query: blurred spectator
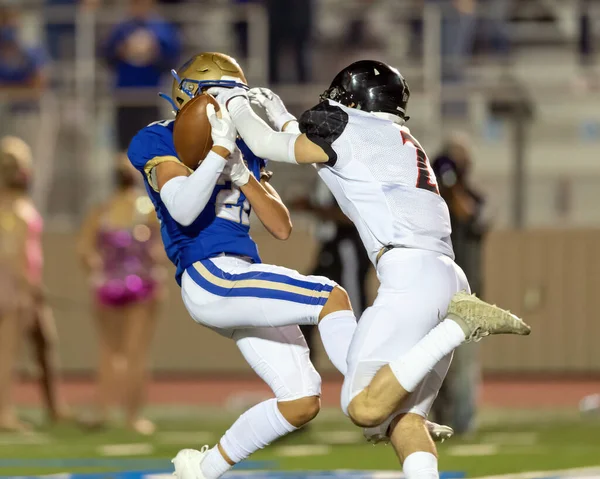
(22, 68)
(342, 256)
(290, 27)
(458, 26)
(359, 31)
(457, 42)
(463, 23)
(23, 78)
(457, 36)
(586, 45)
(140, 49)
(456, 402)
(492, 17)
(121, 250)
(25, 310)
(13, 232)
(60, 36)
(240, 30)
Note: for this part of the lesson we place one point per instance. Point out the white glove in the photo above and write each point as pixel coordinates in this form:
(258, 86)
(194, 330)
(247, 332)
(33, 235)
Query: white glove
(223, 95)
(223, 130)
(272, 104)
(237, 169)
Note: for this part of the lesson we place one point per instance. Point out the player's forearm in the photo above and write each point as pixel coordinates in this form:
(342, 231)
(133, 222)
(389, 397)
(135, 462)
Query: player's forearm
(269, 208)
(186, 196)
(260, 137)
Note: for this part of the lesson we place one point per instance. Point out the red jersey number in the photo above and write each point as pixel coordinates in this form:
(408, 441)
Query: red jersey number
(425, 177)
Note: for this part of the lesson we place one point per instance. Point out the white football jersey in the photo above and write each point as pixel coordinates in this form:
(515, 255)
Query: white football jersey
(381, 179)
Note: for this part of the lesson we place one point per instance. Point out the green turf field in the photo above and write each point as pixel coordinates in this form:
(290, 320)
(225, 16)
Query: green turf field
(507, 442)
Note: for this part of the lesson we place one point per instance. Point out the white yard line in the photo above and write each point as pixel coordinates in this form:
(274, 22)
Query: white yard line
(577, 472)
(510, 438)
(387, 475)
(116, 450)
(469, 450)
(301, 451)
(585, 472)
(339, 437)
(28, 438)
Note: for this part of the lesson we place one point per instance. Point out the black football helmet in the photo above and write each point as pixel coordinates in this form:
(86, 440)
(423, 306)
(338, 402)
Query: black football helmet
(372, 86)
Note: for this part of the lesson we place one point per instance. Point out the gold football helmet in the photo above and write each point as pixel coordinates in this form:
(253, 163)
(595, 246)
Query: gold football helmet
(201, 72)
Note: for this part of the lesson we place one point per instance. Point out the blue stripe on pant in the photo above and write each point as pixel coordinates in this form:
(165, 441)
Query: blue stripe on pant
(265, 276)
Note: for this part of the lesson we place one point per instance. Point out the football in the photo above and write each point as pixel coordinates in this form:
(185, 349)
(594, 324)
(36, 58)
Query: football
(192, 132)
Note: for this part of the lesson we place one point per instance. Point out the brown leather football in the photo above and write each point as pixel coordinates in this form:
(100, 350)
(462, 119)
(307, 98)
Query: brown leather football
(191, 132)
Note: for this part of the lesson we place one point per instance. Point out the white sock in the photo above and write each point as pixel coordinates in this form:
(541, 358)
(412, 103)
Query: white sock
(421, 465)
(411, 368)
(336, 330)
(214, 464)
(258, 427)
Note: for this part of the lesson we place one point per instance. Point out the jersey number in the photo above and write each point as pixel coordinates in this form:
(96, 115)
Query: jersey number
(425, 176)
(228, 205)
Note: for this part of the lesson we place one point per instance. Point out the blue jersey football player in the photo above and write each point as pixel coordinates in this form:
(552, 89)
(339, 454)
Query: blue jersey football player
(204, 215)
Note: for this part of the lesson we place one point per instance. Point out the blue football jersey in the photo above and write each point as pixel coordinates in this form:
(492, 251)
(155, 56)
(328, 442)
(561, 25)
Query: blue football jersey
(224, 224)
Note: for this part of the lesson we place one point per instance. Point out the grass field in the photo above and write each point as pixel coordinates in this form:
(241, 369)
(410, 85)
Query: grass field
(507, 442)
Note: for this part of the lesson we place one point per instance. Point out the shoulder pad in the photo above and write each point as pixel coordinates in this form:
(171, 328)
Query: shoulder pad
(324, 124)
(155, 140)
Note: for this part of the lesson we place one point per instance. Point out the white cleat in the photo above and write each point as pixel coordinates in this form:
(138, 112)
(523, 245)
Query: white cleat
(479, 319)
(439, 432)
(187, 463)
(379, 434)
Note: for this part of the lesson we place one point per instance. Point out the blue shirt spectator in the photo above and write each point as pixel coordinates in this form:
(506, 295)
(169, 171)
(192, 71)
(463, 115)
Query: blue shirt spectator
(142, 47)
(20, 66)
(60, 36)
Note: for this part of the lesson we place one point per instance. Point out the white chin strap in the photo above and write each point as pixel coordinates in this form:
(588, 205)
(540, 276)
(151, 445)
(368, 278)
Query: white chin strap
(389, 116)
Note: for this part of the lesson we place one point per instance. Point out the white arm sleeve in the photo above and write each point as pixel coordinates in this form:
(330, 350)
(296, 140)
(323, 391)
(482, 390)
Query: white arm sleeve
(262, 140)
(186, 196)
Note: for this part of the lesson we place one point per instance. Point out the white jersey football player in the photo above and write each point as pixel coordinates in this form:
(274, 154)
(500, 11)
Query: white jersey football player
(382, 180)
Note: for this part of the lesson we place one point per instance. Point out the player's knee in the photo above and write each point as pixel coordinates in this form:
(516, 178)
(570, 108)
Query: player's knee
(366, 413)
(300, 411)
(338, 301)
